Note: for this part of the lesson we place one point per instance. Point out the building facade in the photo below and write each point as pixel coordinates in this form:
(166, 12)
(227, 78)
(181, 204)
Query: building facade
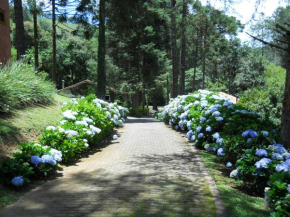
(5, 41)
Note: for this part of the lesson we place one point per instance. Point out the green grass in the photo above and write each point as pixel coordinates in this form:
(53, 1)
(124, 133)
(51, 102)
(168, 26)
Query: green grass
(29, 124)
(237, 203)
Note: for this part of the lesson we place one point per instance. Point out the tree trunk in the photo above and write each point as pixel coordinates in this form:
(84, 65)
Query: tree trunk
(167, 90)
(135, 101)
(183, 48)
(19, 35)
(204, 56)
(36, 62)
(101, 75)
(174, 50)
(112, 96)
(195, 65)
(53, 72)
(285, 120)
(155, 101)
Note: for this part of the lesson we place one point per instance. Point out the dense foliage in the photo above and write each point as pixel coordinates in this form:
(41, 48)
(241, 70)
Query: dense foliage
(21, 85)
(86, 121)
(244, 139)
(267, 100)
(138, 55)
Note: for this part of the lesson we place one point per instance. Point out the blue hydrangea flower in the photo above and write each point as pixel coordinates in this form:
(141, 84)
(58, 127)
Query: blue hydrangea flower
(203, 104)
(56, 154)
(115, 137)
(230, 107)
(219, 119)
(71, 133)
(96, 129)
(216, 135)
(227, 103)
(35, 160)
(17, 181)
(221, 152)
(213, 149)
(288, 157)
(285, 166)
(249, 133)
(192, 138)
(48, 159)
(288, 188)
(202, 119)
(277, 156)
(198, 129)
(188, 125)
(216, 113)
(180, 124)
(208, 129)
(176, 127)
(196, 102)
(265, 133)
(207, 147)
(189, 134)
(220, 141)
(261, 153)
(229, 164)
(280, 149)
(234, 174)
(200, 135)
(207, 112)
(263, 163)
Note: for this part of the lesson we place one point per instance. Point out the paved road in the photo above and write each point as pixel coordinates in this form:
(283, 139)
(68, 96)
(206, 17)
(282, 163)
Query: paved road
(149, 171)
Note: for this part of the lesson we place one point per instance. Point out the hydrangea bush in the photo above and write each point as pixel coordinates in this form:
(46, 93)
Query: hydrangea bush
(246, 141)
(86, 121)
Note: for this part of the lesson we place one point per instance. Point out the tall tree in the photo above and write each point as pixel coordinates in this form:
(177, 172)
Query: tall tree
(53, 70)
(35, 8)
(101, 74)
(174, 50)
(183, 47)
(19, 36)
(280, 33)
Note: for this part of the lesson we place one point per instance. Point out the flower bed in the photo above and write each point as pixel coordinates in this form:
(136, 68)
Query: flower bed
(86, 121)
(245, 140)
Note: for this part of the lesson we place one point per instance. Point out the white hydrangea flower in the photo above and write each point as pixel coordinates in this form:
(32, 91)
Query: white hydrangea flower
(51, 128)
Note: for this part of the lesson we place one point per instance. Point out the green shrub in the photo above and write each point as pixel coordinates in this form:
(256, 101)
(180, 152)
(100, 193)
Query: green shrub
(138, 112)
(267, 100)
(21, 86)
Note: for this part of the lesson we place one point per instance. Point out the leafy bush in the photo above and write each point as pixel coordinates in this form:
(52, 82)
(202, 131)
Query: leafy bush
(85, 121)
(20, 86)
(138, 112)
(242, 138)
(267, 100)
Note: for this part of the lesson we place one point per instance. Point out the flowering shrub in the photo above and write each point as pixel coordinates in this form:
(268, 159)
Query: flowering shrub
(85, 121)
(245, 140)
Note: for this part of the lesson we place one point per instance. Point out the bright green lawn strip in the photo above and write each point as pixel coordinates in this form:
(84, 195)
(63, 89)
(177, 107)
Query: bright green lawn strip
(237, 203)
(33, 120)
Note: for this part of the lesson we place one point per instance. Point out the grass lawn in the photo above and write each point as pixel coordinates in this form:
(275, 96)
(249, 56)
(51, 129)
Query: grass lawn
(237, 203)
(25, 125)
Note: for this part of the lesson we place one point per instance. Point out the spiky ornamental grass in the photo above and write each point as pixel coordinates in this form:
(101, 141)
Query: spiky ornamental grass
(22, 86)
